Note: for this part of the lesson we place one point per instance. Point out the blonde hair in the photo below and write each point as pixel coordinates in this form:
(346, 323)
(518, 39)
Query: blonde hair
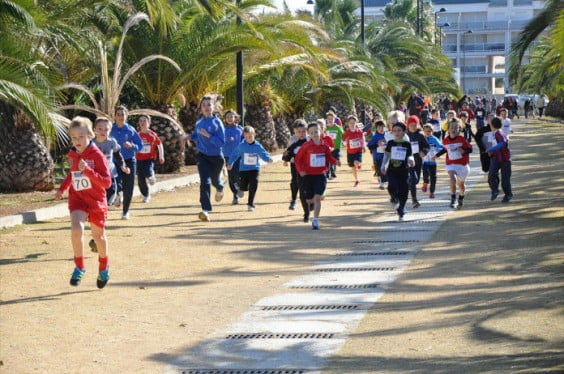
(400, 116)
(249, 130)
(452, 112)
(82, 123)
(321, 121)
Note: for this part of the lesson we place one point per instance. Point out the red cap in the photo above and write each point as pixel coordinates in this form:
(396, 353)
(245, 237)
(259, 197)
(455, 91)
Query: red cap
(413, 119)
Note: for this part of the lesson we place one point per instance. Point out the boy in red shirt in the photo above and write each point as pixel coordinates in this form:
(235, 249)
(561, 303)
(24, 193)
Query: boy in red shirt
(146, 156)
(87, 181)
(311, 162)
(354, 140)
(457, 161)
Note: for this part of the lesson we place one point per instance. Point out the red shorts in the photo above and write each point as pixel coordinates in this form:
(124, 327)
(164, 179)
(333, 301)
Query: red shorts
(97, 215)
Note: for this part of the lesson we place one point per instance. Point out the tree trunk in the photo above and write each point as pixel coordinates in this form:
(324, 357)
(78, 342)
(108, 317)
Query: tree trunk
(188, 116)
(259, 116)
(171, 136)
(25, 162)
(555, 108)
(283, 132)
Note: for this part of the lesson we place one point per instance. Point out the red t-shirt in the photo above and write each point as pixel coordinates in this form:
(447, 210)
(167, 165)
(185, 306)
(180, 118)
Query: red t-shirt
(312, 158)
(87, 188)
(354, 141)
(328, 140)
(150, 141)
(454, 153)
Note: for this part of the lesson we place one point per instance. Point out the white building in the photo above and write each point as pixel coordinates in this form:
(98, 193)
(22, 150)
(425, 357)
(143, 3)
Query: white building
(478, 38)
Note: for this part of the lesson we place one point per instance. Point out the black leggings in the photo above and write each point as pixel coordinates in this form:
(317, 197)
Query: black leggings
(430, 174)
(414, 176)
(248, 181)
(398, 185)
(296, 186)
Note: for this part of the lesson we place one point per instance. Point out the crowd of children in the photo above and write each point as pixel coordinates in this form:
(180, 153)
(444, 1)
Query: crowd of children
(105, 158)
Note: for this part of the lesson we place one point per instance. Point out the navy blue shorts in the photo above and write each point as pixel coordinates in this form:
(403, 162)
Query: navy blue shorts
(314, 185)
(352, 157)
(336, 153)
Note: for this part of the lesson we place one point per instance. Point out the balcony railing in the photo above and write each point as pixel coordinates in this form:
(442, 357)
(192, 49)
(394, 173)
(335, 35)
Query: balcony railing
(485, 26)
(475, 47)
(475, 69)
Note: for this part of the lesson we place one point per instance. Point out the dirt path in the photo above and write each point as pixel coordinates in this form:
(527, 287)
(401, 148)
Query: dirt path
(487, 301)
(486, 294)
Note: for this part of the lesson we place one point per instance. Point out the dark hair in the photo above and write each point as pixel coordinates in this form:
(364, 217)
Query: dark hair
(312, 124)
(496, 123)
(352, 117)
(463, 114)
(120, 107)
(433, 111)
(380, 123)
(401, 125)
(299, 123)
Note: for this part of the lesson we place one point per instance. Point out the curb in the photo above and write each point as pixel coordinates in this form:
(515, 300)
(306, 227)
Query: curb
(62, 210)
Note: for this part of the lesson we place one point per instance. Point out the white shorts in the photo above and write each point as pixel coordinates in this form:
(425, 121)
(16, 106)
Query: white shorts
(461, 171)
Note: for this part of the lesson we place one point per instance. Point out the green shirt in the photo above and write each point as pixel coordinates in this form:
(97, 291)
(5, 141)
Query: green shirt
(336, 133)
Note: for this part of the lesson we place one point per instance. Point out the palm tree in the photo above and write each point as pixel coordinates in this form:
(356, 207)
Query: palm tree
(552, 14)
(111, 87)
(28, 117)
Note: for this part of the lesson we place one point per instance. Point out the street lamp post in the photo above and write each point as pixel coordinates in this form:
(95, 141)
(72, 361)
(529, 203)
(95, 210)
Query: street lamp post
(463, 64)
(240, 92)
(442, 10)
(446, 24)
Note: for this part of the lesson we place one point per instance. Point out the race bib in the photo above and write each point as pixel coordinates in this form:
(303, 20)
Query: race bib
(437, 127)
(454, 151)
(80, 181)
(355, 143)
(146, 148)
(332, 134)
(317, 160)
(431, 154)
(399, 153)
(250, 159)
(414, 147)
(381, 147)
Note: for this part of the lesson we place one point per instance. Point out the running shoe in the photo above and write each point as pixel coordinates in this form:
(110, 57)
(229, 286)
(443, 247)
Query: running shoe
(306, 218)
(92, 245)
(431, 195)
(146, 199)
(453, 202)
(152, 180)
(460, 203)
(218, 196)
(333, 175)
(103, 278)
(382, 185)
(292, 205)
(401, 213)
(204, 216)
(251, 208)
(235, 201)
(494, 195)
(424, 187)
(416, 204)
(356, 183)
(76, 276)
(315, 224)
(507, 198)
(125, 217)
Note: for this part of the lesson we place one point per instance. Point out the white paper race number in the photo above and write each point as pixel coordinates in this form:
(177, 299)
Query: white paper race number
(332, 134)
(414, 147)
(454, 152)
(250, 159)
(146, 148)
(80, 181)
(317, 160)
(399, 153)
(355, 143)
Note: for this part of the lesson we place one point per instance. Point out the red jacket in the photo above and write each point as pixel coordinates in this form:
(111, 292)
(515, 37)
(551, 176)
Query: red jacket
(328, 140)
(312, 158)
(91, 186)
(150, 142)
(354, 141)
(452, 146)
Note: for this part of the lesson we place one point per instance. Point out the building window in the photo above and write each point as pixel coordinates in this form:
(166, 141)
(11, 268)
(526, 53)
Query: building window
(522, 2)
(498, 3)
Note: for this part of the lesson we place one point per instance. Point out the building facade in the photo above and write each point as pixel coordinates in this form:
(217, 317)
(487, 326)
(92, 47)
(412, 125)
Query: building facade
(477, 37)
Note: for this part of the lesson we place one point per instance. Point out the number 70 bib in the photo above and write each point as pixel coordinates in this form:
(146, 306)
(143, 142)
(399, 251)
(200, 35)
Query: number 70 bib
(80, 181)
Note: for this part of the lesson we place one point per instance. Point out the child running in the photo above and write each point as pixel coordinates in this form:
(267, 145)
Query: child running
(88, 178)
(354, 139)
(311, 163)
(146, 156)
(397, 161)
(435, 122)
(288, 157)
(233, 137)
(505, 123)
(249, 152)
(335, 131)
(500, 159)
(419, 148)
(209, 136)
(429, 161)
(457, 161)
(378, 147)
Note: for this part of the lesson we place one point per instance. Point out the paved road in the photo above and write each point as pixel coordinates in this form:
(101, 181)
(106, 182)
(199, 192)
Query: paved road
(177, 284)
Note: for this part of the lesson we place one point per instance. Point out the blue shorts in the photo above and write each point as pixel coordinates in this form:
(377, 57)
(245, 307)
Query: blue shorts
(352, 157)
(336, 153)
(314, 185)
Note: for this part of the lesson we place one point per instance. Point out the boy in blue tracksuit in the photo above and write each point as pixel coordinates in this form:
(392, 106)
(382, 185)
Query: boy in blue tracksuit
(429, 163)
(378, 147)
(249, 152)
(233, 137)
